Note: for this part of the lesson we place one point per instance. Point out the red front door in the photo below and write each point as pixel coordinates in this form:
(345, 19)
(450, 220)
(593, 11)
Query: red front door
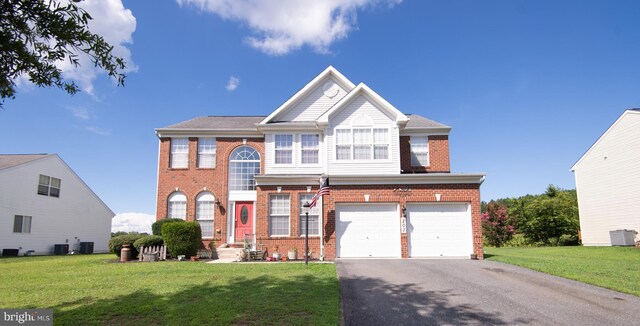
(244, 219)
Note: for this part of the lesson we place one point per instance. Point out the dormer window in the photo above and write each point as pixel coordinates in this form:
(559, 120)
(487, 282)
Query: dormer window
(362, 143)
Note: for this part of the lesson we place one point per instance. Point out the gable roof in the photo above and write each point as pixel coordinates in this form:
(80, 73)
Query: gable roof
(401, 119)
(215, 124)
(11, 160)
(316, 82)
(624, 114)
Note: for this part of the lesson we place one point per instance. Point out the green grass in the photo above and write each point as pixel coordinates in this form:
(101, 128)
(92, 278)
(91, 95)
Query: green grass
(88, 290)
(616, 268)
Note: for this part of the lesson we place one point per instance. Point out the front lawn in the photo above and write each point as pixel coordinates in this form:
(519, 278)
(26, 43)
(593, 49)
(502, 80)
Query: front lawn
(85, 290)
(616, 268)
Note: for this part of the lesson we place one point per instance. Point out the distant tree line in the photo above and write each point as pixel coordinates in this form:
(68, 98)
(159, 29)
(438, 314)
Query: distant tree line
(550, 218)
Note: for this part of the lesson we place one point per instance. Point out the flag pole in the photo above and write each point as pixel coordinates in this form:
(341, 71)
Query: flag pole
(306, 234)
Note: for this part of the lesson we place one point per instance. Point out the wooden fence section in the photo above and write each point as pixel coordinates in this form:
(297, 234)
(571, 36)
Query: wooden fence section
(160, 250)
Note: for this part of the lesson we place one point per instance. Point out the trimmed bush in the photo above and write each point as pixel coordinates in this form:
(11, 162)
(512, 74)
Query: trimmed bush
(115, 244)
(568, 240)
(182, 238)
(156, 228)
(150, 240)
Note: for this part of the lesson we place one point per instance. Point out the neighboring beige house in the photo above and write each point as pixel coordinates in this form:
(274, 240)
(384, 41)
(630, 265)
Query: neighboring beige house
(608, 182)
(44, 203)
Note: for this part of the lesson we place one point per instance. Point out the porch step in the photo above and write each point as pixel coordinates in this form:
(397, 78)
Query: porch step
(226, 255)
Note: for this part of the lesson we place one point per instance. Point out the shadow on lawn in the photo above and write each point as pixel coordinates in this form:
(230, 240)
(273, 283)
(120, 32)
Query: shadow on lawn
(300, 300)
(379, 303)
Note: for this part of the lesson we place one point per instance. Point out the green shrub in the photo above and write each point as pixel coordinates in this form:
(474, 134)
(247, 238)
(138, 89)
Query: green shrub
(156, 228)
(553, 241)
(182, 238)
(150, 240)
(518, 240)
(568, 240)
(115, 244)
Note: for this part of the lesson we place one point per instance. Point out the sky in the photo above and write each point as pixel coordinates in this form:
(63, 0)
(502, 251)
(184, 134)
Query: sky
(527, 86)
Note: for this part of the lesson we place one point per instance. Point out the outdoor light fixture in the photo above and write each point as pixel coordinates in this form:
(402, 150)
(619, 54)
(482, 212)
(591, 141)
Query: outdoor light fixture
(307, 207)
(404, 211)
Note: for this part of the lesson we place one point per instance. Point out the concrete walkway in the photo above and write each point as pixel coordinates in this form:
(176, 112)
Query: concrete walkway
(226, 255)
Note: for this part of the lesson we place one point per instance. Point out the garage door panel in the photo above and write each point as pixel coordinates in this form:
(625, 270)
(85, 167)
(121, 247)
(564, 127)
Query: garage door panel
(439, 230)
(367, 231)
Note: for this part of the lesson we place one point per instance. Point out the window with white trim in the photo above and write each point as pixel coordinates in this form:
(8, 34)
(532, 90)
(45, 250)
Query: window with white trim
(314, 216)
(49, 186)
(179, 153)
(177, 206)
(309, 148)
(284, 149)
(419, 151)
(362, 144)
(205, 208)
(21, 224)
(279, 208)
(244, 164)
(206, 152)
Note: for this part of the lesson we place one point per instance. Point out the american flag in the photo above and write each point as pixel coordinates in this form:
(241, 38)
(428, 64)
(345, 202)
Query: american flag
(324, 190)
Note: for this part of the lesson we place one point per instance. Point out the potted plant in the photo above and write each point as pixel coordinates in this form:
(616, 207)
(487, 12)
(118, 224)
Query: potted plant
(293, 253)
(276, 254)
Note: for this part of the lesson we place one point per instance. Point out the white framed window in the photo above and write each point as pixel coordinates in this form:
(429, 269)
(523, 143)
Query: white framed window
(177, 206)
(362, 144)
(179, 153)
(205, 208)
(309, 149)
(49, 186)
(314, 216)
(22, 224)
(206, 152)
(279, 210)
(420, 151)
(244, 164)
(284, 149)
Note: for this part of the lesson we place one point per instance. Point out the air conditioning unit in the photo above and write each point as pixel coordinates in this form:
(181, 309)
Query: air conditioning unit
(622, 237)
(86, 247)
(60, 249)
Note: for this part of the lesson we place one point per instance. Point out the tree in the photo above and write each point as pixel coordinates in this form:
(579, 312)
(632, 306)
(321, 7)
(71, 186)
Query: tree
(496, 227)
(37, 34)
(551, 215)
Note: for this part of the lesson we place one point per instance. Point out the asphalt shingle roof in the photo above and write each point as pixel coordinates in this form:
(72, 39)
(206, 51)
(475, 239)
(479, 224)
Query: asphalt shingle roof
(418, 121)
(219, 123)
(11, 160)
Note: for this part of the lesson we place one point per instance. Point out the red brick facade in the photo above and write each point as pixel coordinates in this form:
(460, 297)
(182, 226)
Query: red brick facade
(193, 180)
(438, 155)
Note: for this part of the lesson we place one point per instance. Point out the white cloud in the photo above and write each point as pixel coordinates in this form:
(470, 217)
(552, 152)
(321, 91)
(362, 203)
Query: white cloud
(99, 131)
(82, 113)
(132, 222)
(281, 26)
(116, 25)
(232, 84)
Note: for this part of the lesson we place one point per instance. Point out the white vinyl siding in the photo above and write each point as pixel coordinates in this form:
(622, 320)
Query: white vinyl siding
(206, 152)
(419, 151)
(315, 104)
(22, 224)
(607, 179)
(177, 206)
(205, 207)
(284, 149)
(314, 216)
(179, 153)
(279, 210)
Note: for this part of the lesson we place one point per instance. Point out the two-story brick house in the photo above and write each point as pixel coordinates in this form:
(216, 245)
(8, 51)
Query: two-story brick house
(392, 192)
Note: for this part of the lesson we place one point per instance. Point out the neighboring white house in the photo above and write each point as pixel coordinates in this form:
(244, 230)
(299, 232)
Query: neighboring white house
(43, 203)
(608, 181)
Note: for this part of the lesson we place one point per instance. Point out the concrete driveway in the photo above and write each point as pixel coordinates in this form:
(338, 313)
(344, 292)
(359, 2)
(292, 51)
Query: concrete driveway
(467, 292)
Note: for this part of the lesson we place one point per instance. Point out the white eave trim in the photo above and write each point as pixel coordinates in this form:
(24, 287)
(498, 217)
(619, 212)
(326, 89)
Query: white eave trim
(400, 118)
(287, 179)
(624, 114)
(288, 127)
(162, 133)
(407, 179)
(330, 71)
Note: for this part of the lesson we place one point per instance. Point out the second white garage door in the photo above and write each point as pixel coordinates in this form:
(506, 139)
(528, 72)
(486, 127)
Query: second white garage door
(367, 230)
(439, 230)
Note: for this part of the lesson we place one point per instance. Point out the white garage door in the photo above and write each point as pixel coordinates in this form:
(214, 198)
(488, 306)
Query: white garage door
(369, 230)
(439, 230)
